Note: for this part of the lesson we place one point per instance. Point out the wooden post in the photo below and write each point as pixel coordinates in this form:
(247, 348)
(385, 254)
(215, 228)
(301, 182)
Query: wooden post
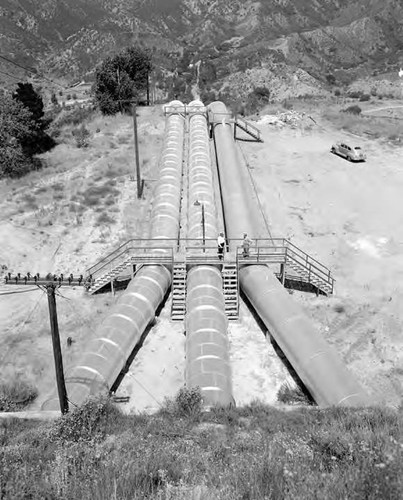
(136, 148)
(57, 352)
(148, 88)
(282, 272)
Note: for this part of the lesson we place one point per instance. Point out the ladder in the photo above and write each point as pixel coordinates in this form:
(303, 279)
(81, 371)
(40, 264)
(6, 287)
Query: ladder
(230, 289)
(178, 308)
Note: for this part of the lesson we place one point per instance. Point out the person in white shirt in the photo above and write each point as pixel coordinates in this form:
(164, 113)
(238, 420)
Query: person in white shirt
(220, 245)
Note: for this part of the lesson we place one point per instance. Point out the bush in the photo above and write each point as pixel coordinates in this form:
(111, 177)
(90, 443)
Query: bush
(365, 97)
(189, 401)
(355, 94)
(81, 135)
(16, 395)
(292, 395)
(353, 110)
(85, 422)
(74, 117)
(104, 219)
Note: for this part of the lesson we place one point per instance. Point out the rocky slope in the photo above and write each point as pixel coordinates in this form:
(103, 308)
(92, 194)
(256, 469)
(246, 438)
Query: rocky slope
(327, 41)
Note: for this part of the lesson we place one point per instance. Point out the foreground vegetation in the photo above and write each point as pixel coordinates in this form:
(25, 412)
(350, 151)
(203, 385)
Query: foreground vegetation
(254, 452)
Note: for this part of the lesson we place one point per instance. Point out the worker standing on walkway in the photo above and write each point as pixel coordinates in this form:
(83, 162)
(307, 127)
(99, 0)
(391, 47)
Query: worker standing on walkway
(221, 245)
(246, 243)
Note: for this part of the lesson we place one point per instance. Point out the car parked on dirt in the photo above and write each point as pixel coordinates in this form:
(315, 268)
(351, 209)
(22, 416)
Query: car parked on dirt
(351, 153)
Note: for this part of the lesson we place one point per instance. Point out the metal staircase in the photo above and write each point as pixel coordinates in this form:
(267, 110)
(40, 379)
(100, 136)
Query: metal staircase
(103, 279)
(230, 289)
(303, 273)
(178, 307)
(248, 128)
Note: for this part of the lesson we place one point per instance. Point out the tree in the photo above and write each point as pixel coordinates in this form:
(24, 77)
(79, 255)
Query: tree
(38, 141)
(27, 96)
(17, 131)
(121, 78)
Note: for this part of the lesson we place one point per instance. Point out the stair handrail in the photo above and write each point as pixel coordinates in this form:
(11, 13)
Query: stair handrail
(160, 260)
(283, 246)
(311, 264)
(172, 243)
(241, 122)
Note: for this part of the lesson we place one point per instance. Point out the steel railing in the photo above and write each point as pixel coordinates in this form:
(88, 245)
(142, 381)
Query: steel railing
(185, 109)
(247, 127)
(162, 251)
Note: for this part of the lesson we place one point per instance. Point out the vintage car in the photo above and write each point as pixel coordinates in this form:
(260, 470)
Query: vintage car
(351, 153)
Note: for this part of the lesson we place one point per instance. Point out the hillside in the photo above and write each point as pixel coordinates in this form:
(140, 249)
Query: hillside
(328, 41)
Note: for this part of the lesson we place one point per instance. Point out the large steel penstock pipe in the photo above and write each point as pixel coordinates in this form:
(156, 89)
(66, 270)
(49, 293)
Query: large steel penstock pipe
(105, 356)
(207, 353)
(316, 363)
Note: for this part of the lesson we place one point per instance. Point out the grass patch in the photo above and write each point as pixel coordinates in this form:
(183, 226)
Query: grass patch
(292, 395)
(253, 452)
(30, 202)
(363, 124)
(95, 195)
(104, 219)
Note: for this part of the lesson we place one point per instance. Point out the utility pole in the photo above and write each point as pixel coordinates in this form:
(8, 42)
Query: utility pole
(148, 88)
(136, 147)
(57, 352)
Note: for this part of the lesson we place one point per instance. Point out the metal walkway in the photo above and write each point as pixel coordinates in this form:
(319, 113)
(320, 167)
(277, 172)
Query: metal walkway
(293, 267)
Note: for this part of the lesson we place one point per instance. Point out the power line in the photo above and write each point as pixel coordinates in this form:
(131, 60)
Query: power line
(23, 324)
(11, 76)
(18, 291)
(30, 70)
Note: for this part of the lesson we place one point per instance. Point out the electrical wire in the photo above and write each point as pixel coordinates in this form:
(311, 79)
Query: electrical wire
(18, 291)
(30, 70)
(11, 76)
(22, 326)
(76, 313)
(146, 390)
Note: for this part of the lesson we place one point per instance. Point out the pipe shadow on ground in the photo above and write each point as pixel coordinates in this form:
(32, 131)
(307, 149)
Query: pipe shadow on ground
(139, 345)
(278, 351)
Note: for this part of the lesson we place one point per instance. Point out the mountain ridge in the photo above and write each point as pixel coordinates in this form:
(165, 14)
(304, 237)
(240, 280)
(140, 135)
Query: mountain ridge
(345, 38)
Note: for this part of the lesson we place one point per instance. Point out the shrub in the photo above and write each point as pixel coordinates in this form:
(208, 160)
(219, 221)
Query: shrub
(365, 97)
(104, 219)
(16, 395)
(353, 110)
(74, 117)
(189, 401)
(355, 94)
(337, 93)
(81, 135)
(85, 422)
(292, 395)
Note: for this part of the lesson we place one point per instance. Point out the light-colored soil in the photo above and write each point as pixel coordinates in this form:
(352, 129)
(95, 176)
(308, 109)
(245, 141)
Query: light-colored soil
(345, 215)
(349, 217)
